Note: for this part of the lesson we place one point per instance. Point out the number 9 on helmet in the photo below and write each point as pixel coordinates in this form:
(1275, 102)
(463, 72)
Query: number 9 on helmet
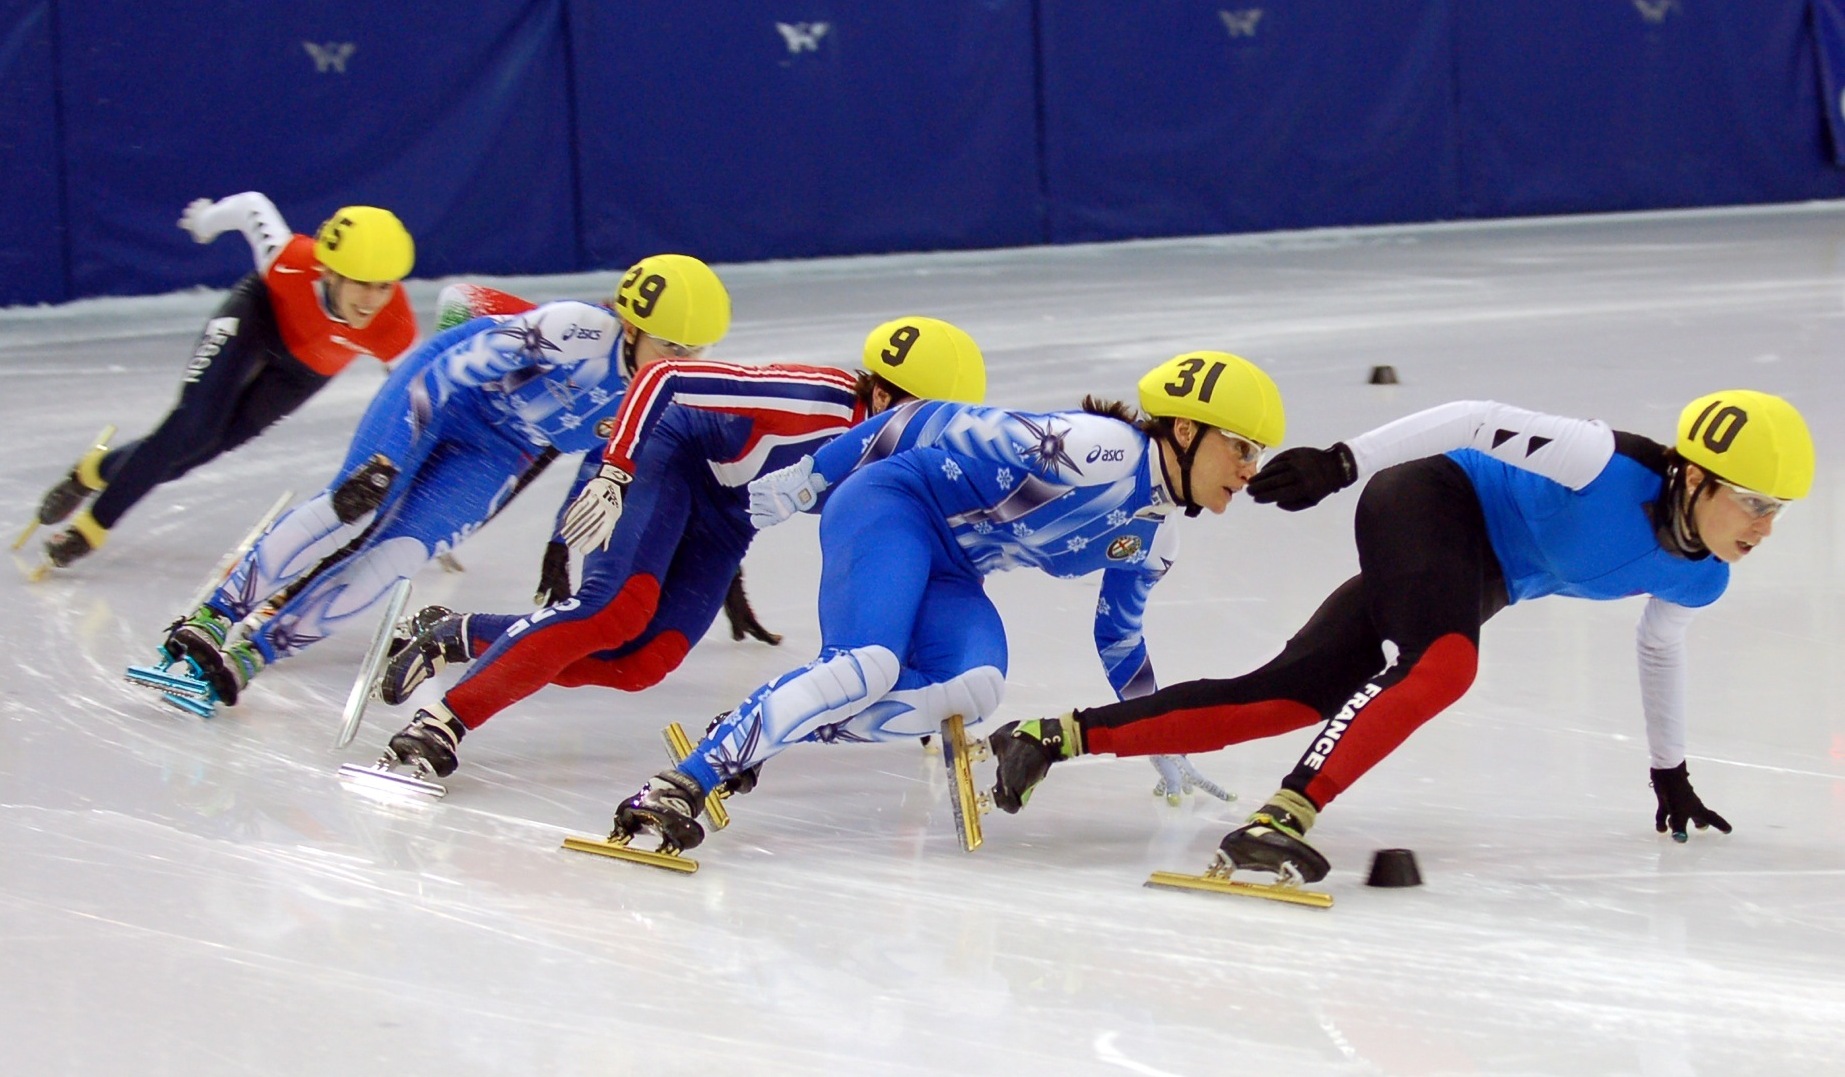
(366, 244)
(928, 358)
(676, 298)
(1218, 389)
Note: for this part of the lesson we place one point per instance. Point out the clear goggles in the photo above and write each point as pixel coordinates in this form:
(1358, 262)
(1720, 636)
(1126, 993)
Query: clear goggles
(1246, 451)
(1758, 506)
(678, 351)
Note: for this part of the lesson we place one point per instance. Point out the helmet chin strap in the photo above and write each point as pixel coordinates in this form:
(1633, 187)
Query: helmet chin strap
(1677, 529)
(1185, 456)
(628, 364)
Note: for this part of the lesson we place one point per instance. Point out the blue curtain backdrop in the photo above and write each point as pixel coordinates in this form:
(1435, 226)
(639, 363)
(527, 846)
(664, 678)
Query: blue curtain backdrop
(32, 264)
(537, 136)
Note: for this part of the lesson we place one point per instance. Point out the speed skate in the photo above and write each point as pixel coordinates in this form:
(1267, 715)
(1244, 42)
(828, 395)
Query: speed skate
(967, 799)
(619, 847)
(180, 682)
(1216, 880)
(382, 774)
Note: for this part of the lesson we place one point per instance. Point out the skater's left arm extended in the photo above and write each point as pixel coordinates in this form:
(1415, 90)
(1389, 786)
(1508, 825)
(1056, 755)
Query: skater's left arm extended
(1120, 611)
(1660, 644)
(251, 213)
(1568, 451)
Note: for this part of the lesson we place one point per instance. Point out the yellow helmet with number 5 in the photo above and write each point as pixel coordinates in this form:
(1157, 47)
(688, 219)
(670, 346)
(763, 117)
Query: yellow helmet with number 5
(676, 298)
(1753, 439)
(1217, 389)
(367, 244)
(928, 358)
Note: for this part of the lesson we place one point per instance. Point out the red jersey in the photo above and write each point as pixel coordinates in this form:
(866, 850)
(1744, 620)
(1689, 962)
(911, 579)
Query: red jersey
(319, 341)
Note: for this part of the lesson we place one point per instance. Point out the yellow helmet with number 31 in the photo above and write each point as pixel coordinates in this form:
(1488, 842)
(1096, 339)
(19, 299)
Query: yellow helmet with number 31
(676, 298)
(1753, 439)
(1217, 389)
(929, 359)
(366, 244)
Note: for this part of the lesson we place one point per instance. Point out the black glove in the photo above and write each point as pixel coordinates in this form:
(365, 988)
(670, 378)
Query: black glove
(554, 576)
(742, 618)
(1678, 801)
(1299, 479)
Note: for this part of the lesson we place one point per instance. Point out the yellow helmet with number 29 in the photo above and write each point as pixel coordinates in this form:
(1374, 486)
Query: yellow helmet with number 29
(676, 298)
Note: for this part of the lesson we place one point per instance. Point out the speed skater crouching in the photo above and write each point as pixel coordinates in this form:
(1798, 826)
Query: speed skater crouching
(1518, 506)
(925, 501)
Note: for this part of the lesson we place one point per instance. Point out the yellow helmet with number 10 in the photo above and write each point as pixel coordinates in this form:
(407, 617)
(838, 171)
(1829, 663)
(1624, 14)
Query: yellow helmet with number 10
(1217, 389)
(1753, 439)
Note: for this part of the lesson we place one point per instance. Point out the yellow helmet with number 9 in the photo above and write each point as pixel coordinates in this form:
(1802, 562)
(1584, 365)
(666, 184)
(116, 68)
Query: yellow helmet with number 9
(928, 358)
(1755, 440)
(1217, 389)
(676, 298)
(366, 244)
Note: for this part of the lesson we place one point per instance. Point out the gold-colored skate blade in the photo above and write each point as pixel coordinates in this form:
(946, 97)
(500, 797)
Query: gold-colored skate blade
(1223, 884)
(449, 562)
(622, 851)
(678, 746)
(371, 668)
(35, 572)
(380, 777)
(968, 801)
(25, 536)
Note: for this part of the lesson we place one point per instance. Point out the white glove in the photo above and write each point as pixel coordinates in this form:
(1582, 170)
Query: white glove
(1179, 778)
(192, 219)
(780, 494)
(592, 516)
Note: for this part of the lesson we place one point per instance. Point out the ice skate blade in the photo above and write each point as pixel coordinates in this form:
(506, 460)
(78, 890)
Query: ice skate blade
(371, 668)
(37, 572)
(1218, 884)
(25, 536)
(101, 444)
(379, 777)
(177, 684)
(968, 801)
(678, 746)
(620, 851)
(201, 708)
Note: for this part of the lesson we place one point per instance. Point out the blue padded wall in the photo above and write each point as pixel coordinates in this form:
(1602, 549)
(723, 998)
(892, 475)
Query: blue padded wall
(1190, 116)
(32, 266)
(745, 129)
(1635, 105)
(458, 120)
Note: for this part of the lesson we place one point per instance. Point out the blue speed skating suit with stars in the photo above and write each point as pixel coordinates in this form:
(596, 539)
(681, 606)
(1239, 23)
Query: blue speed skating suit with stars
(920, 504)
(460, 420)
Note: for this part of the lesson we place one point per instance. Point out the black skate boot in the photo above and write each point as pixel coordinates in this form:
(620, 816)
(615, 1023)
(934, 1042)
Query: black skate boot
(430, 740)
(434, 637)
(668, 805)
(229, 671)
(1025, 752)
(73, 490)
(83, 537)
(200, 636)
(1272, 841)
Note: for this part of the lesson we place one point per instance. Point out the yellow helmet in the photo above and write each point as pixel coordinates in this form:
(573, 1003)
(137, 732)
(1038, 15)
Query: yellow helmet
(1755, 440)
(676, 298)
(928, 358)
(1217, 389)
(365, 243)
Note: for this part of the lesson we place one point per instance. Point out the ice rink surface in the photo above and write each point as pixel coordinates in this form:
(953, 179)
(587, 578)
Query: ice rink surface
(194, 897)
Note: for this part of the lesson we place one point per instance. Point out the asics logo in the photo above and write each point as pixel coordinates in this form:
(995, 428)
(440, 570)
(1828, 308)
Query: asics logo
(1099, 454)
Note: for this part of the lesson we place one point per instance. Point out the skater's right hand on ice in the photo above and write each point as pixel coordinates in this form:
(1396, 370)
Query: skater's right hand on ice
(1679, 803)
(554, 575)
(780, 494)
(192, 219)
(592, 516)
(1301, 478)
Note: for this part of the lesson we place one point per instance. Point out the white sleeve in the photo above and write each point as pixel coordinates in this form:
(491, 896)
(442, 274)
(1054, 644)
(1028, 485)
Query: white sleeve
(1660, 642)
(250, 213)
(1569, 451)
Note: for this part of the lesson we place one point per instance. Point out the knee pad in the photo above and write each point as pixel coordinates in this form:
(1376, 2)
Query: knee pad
(828, 690)
(363, 490)
(973, 695)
